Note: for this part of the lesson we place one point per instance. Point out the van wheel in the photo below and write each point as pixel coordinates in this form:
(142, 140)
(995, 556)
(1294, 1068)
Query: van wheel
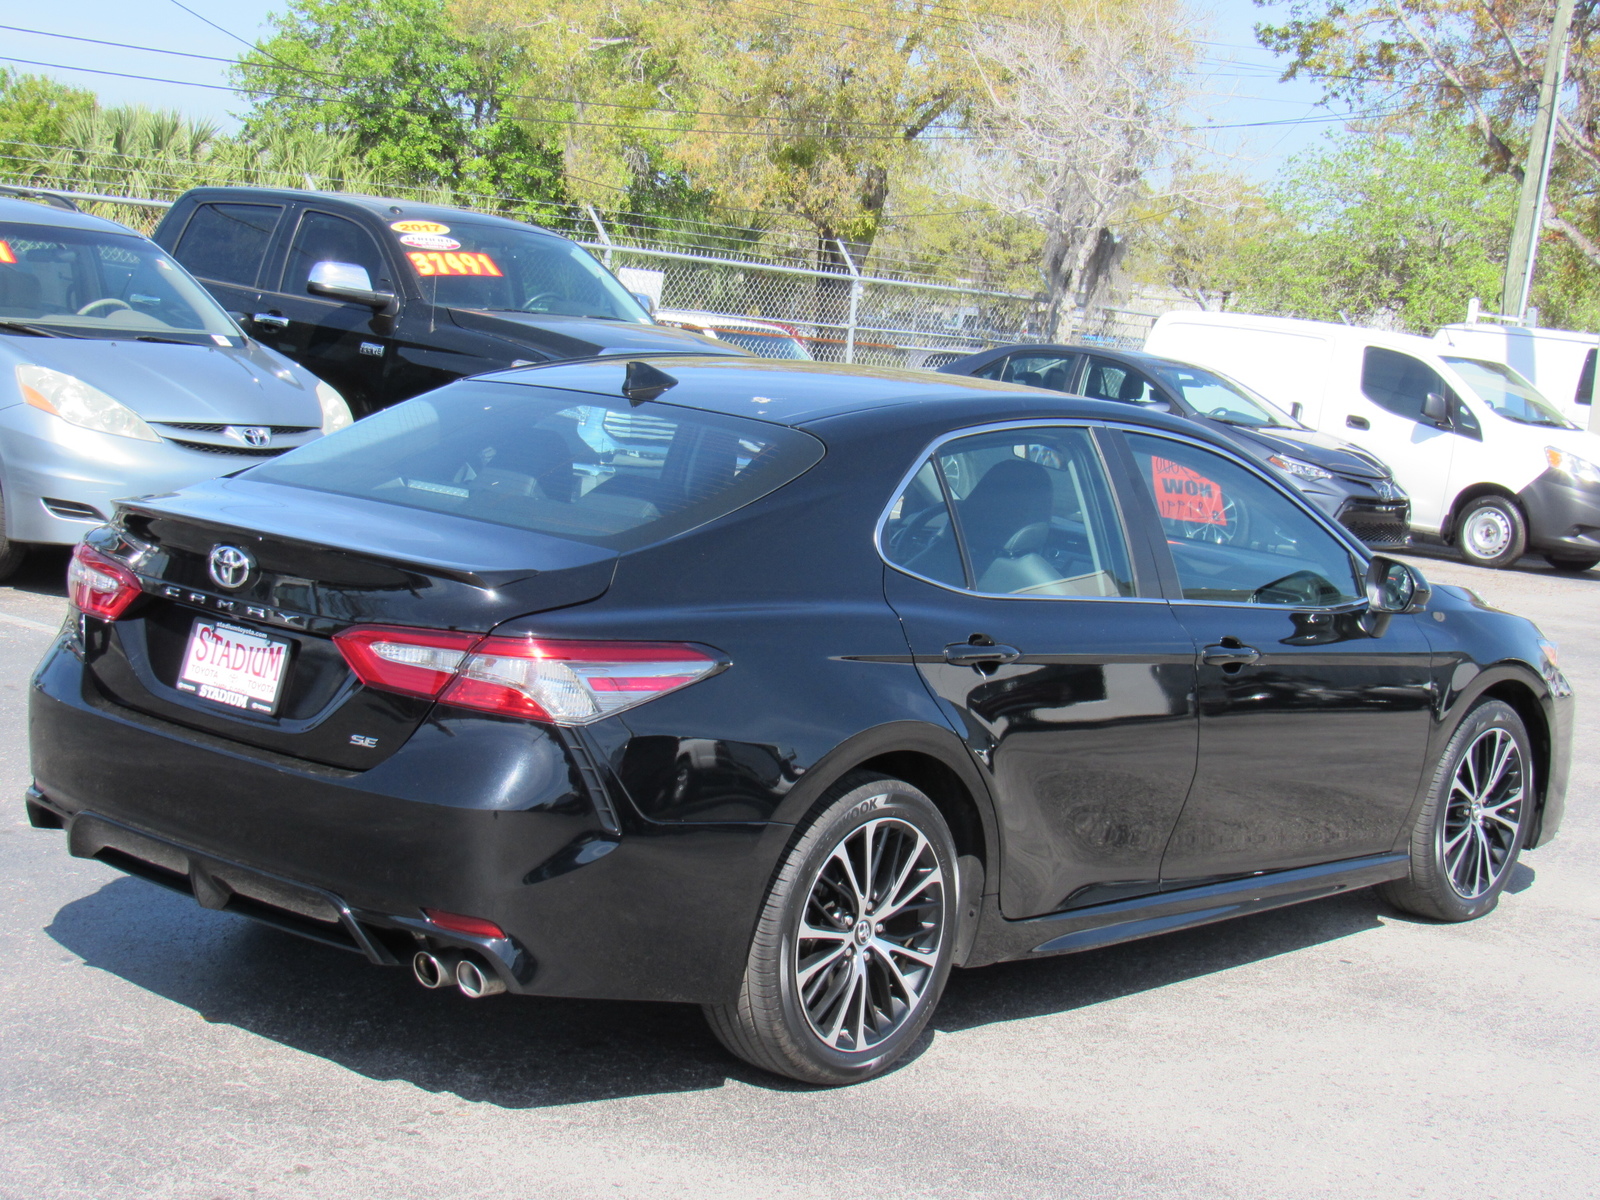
(854, 943)
(11, 553)
(1562, 562)
(1492, 532)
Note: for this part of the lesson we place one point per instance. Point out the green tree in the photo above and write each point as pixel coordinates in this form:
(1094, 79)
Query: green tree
(34, 110)
(420, 101)
(1386, 227)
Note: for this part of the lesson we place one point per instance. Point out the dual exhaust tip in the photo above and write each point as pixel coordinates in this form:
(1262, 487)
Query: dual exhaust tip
(437, 970)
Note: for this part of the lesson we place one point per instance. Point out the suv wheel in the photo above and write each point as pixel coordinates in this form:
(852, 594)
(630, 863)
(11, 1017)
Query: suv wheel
(853, 946)
(1492, 532)
(1469, 834)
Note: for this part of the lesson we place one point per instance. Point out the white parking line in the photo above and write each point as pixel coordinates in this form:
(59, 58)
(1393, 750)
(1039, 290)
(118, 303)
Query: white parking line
(26, 623)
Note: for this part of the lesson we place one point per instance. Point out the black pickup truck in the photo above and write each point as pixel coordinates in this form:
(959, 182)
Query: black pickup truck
(388, 298)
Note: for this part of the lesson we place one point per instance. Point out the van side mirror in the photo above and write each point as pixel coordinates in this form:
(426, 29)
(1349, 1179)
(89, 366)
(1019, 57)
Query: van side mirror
(1395, 587)
(346, 281)
(1297, 411)
(1435, 409)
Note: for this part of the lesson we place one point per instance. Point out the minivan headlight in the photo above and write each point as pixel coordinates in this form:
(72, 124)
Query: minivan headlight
(335, 412)
(1565, 461)
(77, 403)
(1297, 469)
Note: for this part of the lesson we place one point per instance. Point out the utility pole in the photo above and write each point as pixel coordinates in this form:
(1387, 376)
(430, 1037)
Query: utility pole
(1536, 171)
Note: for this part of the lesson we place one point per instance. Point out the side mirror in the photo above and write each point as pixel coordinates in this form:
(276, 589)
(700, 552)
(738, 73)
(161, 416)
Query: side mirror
(644, 299)
(1158, 404)
(346, 281)
(1297, 411)
(1435, 409)
(1395, 587)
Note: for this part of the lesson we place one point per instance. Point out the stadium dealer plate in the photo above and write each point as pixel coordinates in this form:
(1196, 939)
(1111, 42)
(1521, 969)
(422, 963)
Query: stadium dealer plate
(231, 665)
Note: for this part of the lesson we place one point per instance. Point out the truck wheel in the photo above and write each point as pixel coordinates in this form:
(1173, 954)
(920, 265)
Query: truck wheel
(1492, 532)
(1563, 562)
(854, 943)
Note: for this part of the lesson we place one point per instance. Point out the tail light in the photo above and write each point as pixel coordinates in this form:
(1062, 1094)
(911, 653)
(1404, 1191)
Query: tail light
(99, 585)
(563, 682)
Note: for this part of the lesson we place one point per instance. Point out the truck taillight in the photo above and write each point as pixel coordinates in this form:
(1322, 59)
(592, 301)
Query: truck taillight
(99, 585)
(563, 682)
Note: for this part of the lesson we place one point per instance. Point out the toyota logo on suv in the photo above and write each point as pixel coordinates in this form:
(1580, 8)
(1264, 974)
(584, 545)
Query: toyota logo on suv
(230, 566)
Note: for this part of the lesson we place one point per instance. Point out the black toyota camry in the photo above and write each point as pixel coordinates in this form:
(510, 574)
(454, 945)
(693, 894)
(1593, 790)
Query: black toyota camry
(779, 689)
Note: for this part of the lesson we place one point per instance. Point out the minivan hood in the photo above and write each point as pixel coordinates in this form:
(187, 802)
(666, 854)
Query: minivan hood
(1313, 447)
(163, 381)
(586, 337)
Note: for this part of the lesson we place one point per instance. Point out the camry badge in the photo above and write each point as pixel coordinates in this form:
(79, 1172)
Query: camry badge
(230, 566)
(251, 435)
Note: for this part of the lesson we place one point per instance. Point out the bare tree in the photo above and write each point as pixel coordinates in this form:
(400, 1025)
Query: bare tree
(1081, 110)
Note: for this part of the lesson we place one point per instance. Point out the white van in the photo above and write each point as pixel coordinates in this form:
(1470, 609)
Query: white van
(1490, 464)
(1559, 363)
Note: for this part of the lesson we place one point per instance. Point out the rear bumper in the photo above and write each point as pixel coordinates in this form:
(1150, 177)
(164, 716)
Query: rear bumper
(353, 858)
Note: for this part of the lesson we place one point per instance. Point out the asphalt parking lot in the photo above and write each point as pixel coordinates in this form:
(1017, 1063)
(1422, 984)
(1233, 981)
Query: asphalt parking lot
(151, 1048)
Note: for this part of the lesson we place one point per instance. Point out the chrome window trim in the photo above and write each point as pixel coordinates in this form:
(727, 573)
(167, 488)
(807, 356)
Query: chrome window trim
(1000, 427)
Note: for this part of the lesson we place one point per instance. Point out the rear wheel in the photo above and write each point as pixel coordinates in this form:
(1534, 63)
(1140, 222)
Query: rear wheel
(1492, 532)
(853, 946)
(1470, 831)
(11, 553)
(1563, 562)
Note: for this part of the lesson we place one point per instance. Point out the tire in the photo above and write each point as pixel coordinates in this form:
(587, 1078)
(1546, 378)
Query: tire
(1492, 532)
(1460, 862)
(1562, 562)
(846, 1006)
(11, 553)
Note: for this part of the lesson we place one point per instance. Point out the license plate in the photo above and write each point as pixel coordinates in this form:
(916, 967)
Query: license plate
(231, 665)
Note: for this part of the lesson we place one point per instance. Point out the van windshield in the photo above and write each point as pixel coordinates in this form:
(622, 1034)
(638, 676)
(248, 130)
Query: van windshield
(1507, 393)
(507, 269)
(87, 283)
(595, 469)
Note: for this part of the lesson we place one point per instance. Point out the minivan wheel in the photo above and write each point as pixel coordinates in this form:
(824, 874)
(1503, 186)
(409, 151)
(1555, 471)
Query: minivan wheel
(1564, 562)
(1492, 532)
(853, 945)
(1470, 831)
(11, 553)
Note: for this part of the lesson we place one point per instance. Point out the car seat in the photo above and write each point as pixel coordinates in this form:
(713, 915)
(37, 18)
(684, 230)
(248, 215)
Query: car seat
(1006, 522)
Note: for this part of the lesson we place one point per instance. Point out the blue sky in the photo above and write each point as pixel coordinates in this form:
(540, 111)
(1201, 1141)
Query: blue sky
(1239, 85)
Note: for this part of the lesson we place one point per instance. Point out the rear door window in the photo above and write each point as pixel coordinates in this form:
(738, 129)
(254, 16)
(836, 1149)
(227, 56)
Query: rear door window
(228, 242)
(591, 468)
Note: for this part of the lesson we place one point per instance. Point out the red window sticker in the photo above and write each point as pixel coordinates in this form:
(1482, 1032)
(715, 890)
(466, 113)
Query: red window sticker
(1185, 495)
(444, 262)
(6, 256)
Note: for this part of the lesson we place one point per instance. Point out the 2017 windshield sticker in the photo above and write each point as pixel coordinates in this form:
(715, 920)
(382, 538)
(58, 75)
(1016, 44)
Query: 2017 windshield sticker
(444, 262)
(418, 227)
(1185, 495)
(429, 241)
(6, 254)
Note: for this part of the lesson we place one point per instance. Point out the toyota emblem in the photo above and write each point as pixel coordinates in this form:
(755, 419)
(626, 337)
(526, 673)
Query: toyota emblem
(230, 566)
(251, 435)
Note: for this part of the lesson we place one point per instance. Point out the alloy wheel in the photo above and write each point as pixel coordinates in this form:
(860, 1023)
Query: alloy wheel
(1478, 835)
(870, 935)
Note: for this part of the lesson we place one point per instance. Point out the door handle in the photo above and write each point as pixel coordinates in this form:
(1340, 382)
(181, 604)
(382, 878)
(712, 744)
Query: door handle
(1356, 422)
(965, 654)
(1236, 655)
(271, 320)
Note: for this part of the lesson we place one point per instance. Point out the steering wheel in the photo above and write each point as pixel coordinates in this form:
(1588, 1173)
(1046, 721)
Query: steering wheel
(914, 535)
(527, 305)
(107, 302)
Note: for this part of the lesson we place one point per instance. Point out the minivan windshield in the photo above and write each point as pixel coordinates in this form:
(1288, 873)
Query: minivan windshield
(85, 283)
(1221, 398)
(595, 469)
(1508, 393)
(502, 268)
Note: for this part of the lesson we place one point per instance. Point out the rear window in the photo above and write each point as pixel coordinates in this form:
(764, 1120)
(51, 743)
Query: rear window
(591, 468)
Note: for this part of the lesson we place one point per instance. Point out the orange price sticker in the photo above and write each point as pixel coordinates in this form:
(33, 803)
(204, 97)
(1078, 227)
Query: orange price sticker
(6, 255)
(1185, 495)
(449, 262)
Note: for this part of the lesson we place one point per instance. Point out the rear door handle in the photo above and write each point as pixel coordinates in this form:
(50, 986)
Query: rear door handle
(1356, 422)
(965, 654)
(1229, 656)
(271, 320)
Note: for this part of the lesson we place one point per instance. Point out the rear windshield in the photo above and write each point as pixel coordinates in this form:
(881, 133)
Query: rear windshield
(591, 468)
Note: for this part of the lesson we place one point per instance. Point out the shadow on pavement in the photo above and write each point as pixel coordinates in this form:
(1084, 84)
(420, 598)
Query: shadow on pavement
(43, 572)
(525, 1052)
(1528, 564)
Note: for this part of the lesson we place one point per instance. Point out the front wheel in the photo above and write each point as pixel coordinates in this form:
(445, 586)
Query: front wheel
(1492, 532)
(1470, 831)
(853, 945)
(11, 553)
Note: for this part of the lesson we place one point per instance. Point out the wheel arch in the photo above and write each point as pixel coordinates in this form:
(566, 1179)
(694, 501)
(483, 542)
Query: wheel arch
(1525, 703)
